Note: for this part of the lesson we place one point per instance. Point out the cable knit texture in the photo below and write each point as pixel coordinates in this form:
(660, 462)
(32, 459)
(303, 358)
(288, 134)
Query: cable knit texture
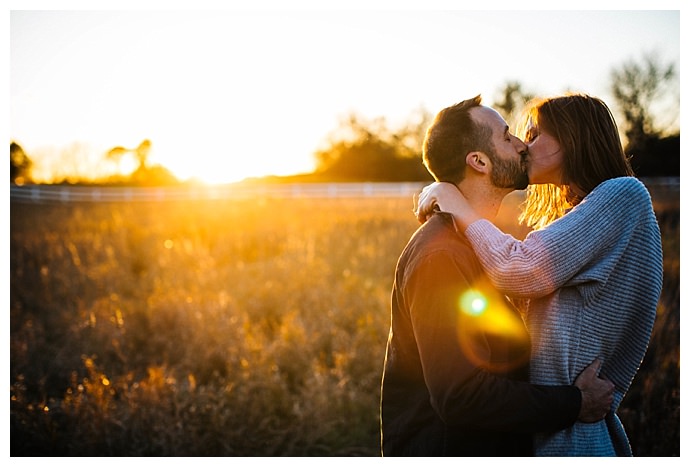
(593, 279)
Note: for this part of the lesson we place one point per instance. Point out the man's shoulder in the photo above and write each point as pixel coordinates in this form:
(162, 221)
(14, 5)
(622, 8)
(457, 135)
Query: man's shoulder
(434, 256)
(437, 236)
(439, 232)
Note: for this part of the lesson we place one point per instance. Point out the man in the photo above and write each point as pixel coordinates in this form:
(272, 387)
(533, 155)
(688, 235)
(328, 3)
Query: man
(455, 373)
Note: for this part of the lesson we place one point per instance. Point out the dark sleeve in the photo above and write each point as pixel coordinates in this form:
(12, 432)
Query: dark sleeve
(462, 392)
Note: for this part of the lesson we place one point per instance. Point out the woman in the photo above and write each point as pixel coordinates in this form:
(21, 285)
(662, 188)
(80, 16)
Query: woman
(592, 268)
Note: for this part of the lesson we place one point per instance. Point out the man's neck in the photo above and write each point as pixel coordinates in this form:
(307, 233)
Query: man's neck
(484, 199)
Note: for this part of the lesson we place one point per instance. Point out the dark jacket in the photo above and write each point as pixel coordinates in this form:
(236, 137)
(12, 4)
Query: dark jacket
(454, 380)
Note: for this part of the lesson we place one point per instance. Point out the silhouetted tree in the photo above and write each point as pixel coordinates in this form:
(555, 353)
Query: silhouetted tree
(636, 88)
(511, 99)
(20, 164)
(116, 154)
(141, 153)
(370, 151)
(144, 174)
(410, 137)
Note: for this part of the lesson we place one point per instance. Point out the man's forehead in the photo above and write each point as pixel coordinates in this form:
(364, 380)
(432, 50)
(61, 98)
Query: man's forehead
(488, 116)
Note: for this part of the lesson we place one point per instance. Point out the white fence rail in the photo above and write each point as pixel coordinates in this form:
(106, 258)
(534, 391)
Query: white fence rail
(67, 194)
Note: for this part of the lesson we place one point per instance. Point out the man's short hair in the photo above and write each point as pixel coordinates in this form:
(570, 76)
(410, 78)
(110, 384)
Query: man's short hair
(450, 137)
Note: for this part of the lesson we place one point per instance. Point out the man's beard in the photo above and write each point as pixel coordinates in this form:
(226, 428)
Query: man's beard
(509, 174)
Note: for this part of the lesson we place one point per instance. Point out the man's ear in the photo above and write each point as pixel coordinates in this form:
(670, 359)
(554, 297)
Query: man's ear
(478, 161)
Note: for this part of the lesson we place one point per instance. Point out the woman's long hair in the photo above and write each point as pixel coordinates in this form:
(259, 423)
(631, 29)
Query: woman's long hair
(592, 152)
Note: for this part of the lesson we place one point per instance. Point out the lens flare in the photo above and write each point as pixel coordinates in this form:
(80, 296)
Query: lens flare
(490, 331)
(473, 303)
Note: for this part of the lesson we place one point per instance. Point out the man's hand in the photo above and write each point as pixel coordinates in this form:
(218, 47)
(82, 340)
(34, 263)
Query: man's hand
(597, 394)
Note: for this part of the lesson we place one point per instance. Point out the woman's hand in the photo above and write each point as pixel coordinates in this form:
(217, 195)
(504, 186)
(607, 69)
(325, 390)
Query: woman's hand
(444, 196)
(436, 196)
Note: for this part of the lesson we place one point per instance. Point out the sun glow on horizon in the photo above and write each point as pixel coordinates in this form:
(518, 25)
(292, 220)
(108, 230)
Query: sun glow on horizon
(190, 162)
(229, 168)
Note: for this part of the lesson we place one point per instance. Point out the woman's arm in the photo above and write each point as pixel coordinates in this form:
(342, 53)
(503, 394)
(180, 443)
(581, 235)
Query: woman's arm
(560, 253)
(579, 249)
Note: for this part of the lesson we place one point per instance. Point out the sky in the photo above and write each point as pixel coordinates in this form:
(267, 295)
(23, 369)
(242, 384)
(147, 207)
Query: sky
(244, 92)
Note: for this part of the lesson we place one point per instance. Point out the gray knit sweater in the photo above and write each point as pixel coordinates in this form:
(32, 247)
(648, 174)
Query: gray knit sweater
(593, 278)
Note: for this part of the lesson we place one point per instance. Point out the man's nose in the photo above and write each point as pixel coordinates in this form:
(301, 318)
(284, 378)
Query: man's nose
(519, 145)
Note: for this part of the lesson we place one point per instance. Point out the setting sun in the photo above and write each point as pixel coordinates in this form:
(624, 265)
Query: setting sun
(229, 162)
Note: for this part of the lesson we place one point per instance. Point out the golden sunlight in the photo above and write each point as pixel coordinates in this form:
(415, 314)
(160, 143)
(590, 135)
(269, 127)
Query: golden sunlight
(185, 166)
(220, 165)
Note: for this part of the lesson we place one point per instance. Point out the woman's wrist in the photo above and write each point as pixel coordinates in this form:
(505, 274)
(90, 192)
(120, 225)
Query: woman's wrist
(464, 220)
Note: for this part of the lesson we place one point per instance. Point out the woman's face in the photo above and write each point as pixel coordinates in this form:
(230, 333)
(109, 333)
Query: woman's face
(545, 157)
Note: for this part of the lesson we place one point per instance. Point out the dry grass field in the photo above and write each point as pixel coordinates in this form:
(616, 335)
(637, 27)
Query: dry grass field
(235, 328)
